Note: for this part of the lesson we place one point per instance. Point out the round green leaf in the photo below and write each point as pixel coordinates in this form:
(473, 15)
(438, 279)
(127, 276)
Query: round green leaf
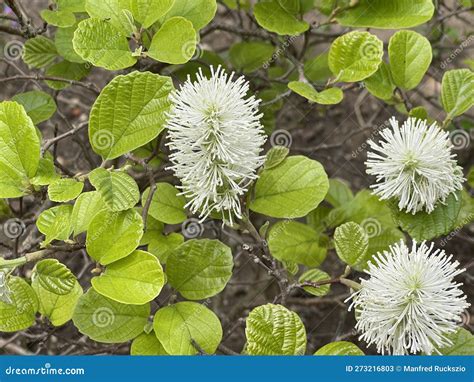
(410, 57)
(166, 205)
(20, 148)
(39, 52)
(315, 275)
(385, 14)
(162, 245)
(339, 348)
(20, 313)
(175, 42)
(275, 156)
(114, 12)
(326, 97)
(67, 70)
(46, 173)
(199, 12)
(58, 308)
(147, 344)
(463, 343)
(54, 277)
(63, 190)
(296, 242)
(136, 279)
(290, 190)
(180, 325)
(58, 18)
(55, 223)
(424, 226)
(85, 208)
(101, 43)
(355, 56)
(457, 91)
(380, 84)
(118, 189)
(112, 236)
(129, 112)
(108, 321)
(250, 56)
(274, 18)
(199, 269)
(351, 243)
(39, 106)
(147, 12)
(274, 330)
(63, 41)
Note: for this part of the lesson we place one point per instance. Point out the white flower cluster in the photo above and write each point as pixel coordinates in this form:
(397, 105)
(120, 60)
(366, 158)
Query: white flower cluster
(415, 165)
(216, 138)
(410, 303)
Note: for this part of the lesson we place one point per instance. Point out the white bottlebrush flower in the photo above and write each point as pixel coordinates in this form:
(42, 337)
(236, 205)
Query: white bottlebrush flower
(415, 165)
(216, 138)
(410, 302)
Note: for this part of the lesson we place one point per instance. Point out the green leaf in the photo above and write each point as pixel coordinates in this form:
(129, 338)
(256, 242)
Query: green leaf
(166, 205)
(129, 112)
(274, 330)
(199, 12)
(380, 84)
(86, 207)
(351, 243)
(20, 313)
(58, 18)
(199, 269)
(58, 307)
(67, 70)
(339, 193)
(20, 148)
(387, 14)
(326, 97)
(162, 245)
(102, 44)
(296, 242)
(108, 321)
(136, 279)
(178, 326)
(119, 190)
(55, 223)
(463, 343)
(250, 56)
(290, 190)
(291, 6)
(71, 5)
(424, 226)
(39, 106)
(54, 277)
(63, 190)
(315, 275)
(410, 57)
(112, 11)
(147, 344)
(63, 42)
(175, 42)
(147, 12)
(355, 56)
(274, 18)
(317, 68)
(339, 348)
(275, 156)
(46, 173)
(39, 52)
(112, 236)
(457, 91)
